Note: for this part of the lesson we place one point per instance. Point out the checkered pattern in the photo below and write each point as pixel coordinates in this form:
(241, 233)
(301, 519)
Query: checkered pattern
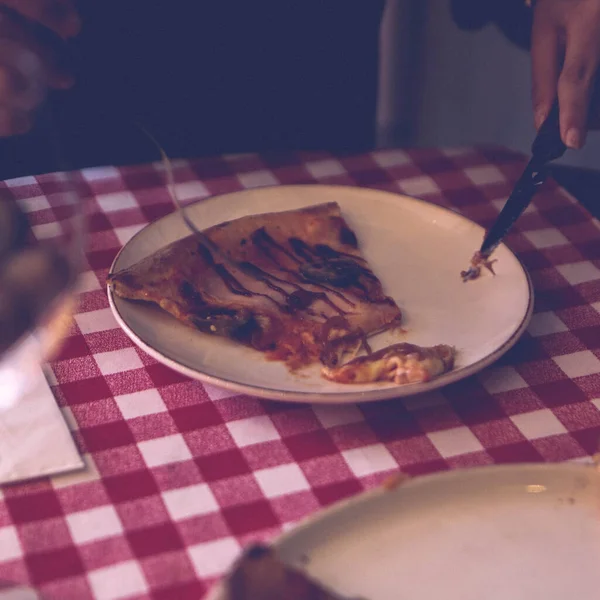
(182, 475)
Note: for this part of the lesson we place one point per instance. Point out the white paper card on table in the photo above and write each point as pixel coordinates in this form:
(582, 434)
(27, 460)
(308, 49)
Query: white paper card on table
(34, 438)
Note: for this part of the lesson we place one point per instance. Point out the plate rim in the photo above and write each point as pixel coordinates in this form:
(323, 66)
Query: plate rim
(377, 394)
(443, 477)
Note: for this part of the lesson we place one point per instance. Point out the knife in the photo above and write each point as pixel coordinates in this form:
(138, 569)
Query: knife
(546, 147)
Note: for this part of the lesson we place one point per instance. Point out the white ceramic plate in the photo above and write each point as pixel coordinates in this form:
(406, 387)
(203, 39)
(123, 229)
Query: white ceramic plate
(416, 248)
(493, 533)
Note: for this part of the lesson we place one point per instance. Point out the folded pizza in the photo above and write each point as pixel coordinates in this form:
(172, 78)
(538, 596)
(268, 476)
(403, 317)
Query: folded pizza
(293, 285)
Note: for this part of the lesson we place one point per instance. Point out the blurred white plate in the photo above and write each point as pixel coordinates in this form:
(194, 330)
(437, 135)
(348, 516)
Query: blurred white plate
(417, 249)
(493, 533)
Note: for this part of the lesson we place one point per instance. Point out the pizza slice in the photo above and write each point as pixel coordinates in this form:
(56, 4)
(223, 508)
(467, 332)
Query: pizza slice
(400, 364)
(293, 285)
(260, 575)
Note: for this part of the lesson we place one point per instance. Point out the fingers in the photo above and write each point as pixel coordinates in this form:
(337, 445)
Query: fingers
(28, 66)
(21, 89)
(25, 51)
(576, 80)
(545, 56)
(58, 15)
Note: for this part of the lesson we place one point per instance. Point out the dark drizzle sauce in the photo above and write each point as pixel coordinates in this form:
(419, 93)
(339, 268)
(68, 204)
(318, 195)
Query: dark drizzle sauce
(264, 242)
(340, 273)
(268, 279)
(334, 349)
(325, 251)
(302, 249)
(318, 266)
(233, 285)
(191, 294)
(206, 254)
(266, 251)
(257, 273)
(328, 253)
(348, 237)
(300, 299)
(302, 279)
(326, 265)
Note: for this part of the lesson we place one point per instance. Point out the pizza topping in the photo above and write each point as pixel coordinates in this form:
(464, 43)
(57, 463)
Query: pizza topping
(337, 348)
(325, 251)
(334, 327)
(298, 300)
(233, 285)
(400, 363)
(337, 272)
(301, 248)
(301, 299)
(340, 340)
(229, 280)
(265, 242)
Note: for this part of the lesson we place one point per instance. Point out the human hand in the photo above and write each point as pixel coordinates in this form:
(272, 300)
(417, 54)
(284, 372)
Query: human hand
(30, 63)
(565, 56)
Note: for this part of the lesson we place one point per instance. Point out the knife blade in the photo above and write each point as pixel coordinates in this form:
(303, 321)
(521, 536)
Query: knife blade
(547, 146)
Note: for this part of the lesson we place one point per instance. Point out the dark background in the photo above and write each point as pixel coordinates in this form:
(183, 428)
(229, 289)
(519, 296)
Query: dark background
(207, 77)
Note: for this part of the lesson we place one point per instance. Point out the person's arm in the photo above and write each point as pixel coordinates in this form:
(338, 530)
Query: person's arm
(565, 55)
(31, 35)
(564, 39)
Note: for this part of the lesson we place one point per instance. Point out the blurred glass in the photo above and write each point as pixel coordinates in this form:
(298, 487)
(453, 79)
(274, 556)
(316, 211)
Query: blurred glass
(42, 225)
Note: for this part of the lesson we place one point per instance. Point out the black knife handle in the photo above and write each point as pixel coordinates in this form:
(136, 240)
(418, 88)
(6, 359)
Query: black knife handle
(548, 145)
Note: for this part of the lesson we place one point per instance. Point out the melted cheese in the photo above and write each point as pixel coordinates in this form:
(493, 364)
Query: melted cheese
(399, 364)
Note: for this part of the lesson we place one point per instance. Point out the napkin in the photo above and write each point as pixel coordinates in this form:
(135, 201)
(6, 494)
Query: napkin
(34, 438)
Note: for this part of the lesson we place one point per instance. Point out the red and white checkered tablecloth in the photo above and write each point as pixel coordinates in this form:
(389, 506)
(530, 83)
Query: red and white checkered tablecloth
(181, 475)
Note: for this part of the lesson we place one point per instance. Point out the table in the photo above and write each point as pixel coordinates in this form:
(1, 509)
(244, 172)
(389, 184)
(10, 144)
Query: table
(182, 475)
